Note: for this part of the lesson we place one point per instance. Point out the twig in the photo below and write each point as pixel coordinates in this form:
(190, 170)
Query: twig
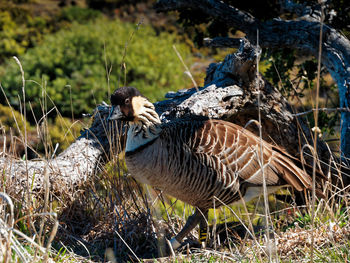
(122, 64)
(46, 201)
(315, 135)
(187, 72)
(321, 109)
(261, 157)
(31, 241)
(52, 235)
(126, 244)
(222, 42)
(8, 200)
(242, 223)
(171, 248)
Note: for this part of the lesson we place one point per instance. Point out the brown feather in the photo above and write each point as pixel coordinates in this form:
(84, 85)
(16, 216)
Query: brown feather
(245, 156)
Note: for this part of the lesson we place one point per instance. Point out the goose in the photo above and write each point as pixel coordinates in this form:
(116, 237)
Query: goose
(199, 160)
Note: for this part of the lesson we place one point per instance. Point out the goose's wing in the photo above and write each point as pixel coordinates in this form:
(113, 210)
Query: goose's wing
(241, 151)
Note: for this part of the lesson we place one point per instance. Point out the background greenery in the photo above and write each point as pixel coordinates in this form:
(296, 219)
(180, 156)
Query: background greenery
(75, 52)
(82, 64)
(74, 56)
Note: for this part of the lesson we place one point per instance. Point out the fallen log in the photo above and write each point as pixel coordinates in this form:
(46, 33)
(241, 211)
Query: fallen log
(231, 92)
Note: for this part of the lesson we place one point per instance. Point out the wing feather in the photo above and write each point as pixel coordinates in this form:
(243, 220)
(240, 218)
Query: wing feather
(239, 150)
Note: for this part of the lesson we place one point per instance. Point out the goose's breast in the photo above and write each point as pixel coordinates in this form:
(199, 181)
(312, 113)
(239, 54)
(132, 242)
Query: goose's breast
(149, 165)
(182, 174)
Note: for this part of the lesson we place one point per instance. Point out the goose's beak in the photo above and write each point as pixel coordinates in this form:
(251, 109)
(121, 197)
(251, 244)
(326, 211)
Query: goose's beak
(115, 113)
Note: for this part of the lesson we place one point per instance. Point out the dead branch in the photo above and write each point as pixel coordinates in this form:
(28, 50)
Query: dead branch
(231, 92)
(301, 34)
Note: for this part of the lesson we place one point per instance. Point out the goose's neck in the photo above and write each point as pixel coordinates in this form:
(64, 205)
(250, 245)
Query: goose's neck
(143, 130)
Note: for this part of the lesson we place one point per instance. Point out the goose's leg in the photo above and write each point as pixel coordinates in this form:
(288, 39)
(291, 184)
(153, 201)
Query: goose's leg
(191, 223)
(203, 228)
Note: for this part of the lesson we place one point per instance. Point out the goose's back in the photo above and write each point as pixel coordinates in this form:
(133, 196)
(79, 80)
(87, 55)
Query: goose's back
(197, 160)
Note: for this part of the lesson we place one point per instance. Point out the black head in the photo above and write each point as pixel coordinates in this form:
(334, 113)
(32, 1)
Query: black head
(123, 102)
(123, 95)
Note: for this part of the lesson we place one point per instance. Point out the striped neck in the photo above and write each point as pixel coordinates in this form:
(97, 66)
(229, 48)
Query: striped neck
(144, 129)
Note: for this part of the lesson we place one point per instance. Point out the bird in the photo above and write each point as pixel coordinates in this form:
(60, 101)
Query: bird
(200, 160)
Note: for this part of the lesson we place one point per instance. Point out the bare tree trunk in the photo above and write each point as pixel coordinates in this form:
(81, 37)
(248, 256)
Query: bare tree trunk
(231, 92)
(72, 168)
(301, 34)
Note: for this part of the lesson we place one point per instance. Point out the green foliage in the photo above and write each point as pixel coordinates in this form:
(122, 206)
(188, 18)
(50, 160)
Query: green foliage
(19, 30)
(8, 119)
(108, 5)
(326, 121)
(63, 132)
(74, 63)
(279, 66)
(78, 14)
(303, 219)
(10, 32)
(281, 63)
(298, 79)
(60, 130)
(22, 26)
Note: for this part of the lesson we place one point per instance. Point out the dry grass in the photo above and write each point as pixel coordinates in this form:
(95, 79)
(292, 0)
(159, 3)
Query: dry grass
(117, 219)
(113, 218)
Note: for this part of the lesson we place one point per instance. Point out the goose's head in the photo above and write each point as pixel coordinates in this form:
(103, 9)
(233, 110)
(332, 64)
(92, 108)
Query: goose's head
(129, 104)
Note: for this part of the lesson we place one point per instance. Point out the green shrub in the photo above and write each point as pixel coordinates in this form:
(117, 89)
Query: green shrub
(19, 30)
(59, 130)
(10, 33)
(72, 63)
(78, 14)
(9, 118)
(23, 26)
(63, 132)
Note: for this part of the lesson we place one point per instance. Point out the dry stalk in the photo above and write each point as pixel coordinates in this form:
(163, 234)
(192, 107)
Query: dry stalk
(8, 200)
(315, 132)
(243, 224)
(187, 71)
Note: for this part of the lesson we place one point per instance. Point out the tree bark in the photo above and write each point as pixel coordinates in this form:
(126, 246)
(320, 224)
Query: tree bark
(69, 170)
(230, 92)
(301, 34)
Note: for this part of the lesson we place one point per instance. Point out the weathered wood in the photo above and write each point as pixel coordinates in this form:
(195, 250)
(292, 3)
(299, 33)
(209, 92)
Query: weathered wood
(71, 168)
(301, 34)
(231, 92)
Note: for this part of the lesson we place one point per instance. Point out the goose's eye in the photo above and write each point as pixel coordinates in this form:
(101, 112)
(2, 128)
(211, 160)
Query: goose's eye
(127, 101)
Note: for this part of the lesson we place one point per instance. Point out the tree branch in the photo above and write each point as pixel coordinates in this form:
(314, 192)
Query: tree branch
(215, 9)
(296, 34)
(73, 167)
(302, 10)
(222, 42)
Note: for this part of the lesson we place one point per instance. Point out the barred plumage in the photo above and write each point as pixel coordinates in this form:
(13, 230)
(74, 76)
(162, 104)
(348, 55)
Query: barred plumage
(197, 160)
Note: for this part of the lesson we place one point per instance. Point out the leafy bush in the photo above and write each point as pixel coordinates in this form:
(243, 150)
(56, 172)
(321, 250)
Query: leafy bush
(20, 28)
(15, 36)
(9, 118)
(59, 130)
(112, 4)
(73, 64)
(78, 14)
(23, 26)
(63, 132)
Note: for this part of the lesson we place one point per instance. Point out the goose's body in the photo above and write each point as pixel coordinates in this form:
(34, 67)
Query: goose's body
(198, 160)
